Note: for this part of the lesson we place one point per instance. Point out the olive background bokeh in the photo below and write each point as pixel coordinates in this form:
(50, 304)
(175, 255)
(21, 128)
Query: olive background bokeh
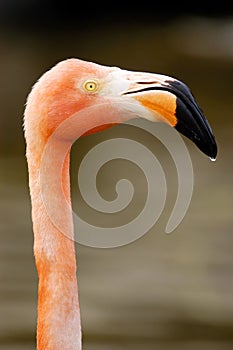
(162, 291)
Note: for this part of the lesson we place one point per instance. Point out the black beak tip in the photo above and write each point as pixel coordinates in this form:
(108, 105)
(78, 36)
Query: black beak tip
(214, 151)
(200, 134)
(209, 148)
(191, 122)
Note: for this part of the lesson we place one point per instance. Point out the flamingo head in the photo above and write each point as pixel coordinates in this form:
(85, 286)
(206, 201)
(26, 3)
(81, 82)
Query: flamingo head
(117, 95)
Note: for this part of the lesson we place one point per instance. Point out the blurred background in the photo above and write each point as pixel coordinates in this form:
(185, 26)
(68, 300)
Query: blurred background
(162, 291)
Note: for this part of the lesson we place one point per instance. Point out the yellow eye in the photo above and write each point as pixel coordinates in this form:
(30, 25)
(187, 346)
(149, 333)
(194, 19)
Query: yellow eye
(90, 85)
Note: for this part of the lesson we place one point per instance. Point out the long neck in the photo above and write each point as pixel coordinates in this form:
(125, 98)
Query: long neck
(58, 324)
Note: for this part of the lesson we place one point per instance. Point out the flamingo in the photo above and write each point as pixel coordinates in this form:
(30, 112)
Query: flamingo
(70, 87)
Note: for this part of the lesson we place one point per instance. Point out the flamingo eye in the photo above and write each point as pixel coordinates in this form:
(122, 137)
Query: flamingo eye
(90, 85)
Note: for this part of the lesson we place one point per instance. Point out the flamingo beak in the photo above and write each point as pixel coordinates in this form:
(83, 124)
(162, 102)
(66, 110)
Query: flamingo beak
(169, 100)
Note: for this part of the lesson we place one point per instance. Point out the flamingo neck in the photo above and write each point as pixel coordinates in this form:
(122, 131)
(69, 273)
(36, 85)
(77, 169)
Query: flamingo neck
(58, 325)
